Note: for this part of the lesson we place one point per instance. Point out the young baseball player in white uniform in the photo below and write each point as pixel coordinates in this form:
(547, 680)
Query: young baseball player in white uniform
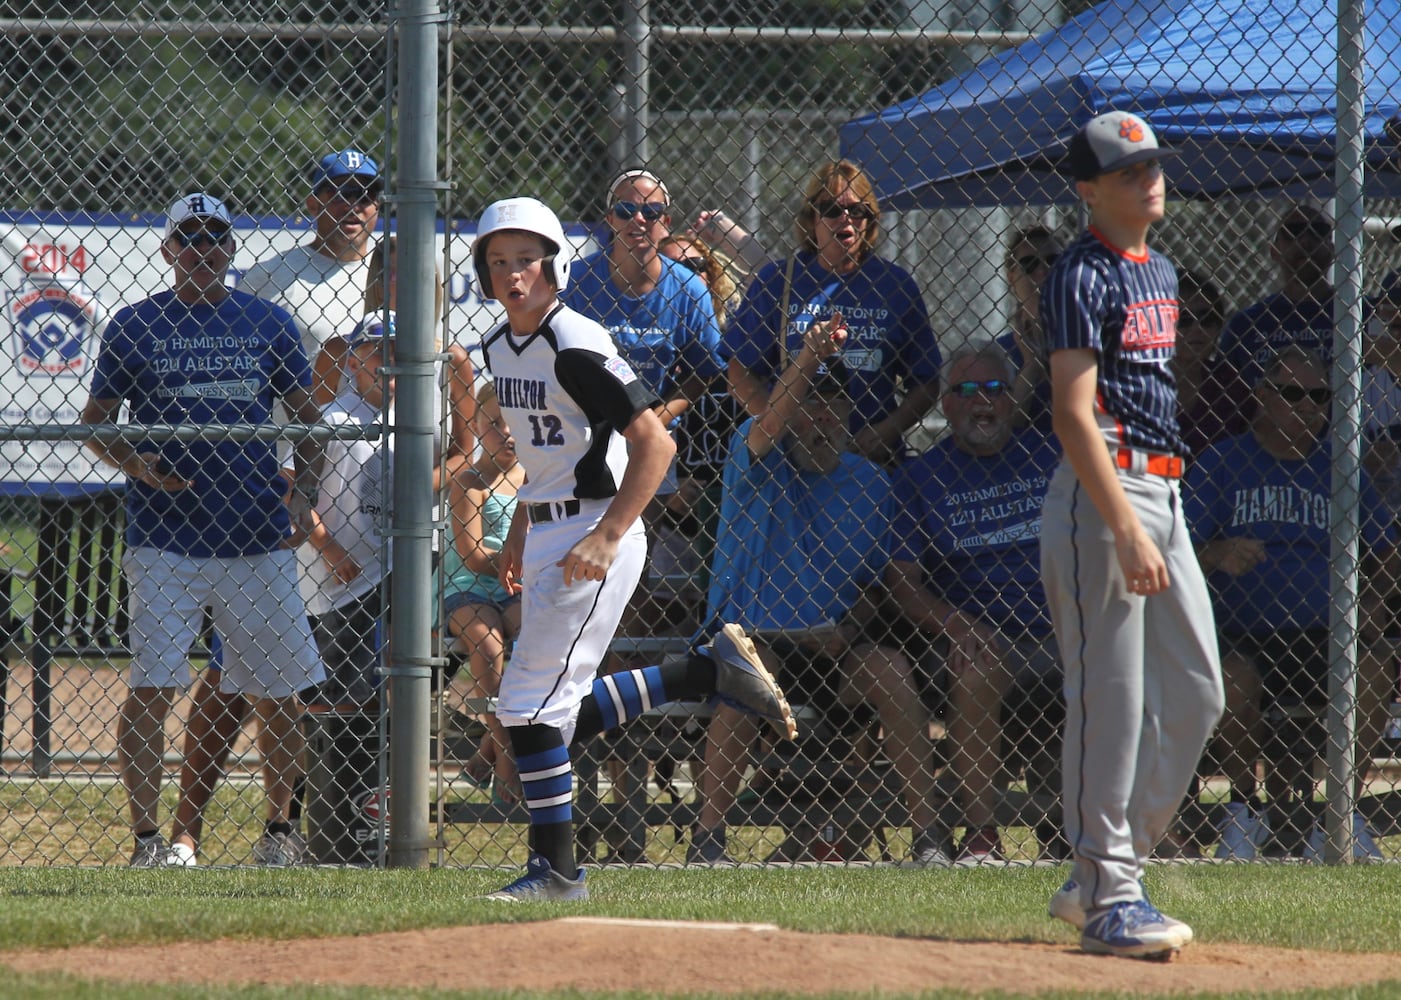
(1127, 597)
(594, 454)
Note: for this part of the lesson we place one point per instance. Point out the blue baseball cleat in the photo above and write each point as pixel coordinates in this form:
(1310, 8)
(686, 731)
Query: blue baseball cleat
(1134, 930)
(742, 681)
(542, 884)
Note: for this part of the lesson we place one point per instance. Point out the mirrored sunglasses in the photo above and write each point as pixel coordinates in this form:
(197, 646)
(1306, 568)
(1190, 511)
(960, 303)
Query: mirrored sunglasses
(651, 210)
(202, 238)
(992, 387)
(696, 264)
(351, 194)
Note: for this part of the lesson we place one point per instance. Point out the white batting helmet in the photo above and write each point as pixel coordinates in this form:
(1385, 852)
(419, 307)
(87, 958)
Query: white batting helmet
(526, 215)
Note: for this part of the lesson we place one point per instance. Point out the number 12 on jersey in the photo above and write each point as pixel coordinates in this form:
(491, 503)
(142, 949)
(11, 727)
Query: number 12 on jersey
(546, 430)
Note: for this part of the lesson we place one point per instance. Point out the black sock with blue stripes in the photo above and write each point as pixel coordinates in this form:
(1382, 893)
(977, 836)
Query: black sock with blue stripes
(547, 779)
(617, 698)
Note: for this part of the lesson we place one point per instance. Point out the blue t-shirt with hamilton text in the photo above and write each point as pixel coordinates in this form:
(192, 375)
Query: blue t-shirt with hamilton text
(795, 548)
(1236, 489)
(224, 363)
(888, 333)
(669, 332)
(973, 526)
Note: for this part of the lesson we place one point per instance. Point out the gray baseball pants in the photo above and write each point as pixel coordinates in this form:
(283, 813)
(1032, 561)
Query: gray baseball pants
(1143, 684)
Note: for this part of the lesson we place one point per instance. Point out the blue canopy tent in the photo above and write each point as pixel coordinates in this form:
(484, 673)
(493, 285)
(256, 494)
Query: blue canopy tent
(1245, 90)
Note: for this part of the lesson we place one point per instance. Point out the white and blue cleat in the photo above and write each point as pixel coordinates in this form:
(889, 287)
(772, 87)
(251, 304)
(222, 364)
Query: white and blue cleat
(542, 884)
(1134, 930)
(1065, 905)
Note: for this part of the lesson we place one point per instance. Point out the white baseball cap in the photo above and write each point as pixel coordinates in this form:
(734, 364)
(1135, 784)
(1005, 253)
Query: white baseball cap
(195, 206)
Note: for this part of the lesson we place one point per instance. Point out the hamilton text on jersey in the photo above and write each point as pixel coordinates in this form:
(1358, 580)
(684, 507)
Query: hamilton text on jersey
(520, 393)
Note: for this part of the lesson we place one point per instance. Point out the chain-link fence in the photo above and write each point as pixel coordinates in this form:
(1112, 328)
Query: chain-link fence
(732, 178)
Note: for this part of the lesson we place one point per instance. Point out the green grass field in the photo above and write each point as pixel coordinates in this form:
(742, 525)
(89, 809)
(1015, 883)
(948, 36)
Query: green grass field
(1354, 909)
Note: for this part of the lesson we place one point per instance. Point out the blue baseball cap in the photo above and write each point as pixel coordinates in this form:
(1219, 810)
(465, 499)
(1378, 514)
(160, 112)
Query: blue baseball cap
(347, 163)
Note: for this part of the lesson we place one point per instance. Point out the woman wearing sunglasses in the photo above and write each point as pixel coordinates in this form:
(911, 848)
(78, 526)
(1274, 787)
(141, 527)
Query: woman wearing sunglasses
(836, 279)
(659, 313)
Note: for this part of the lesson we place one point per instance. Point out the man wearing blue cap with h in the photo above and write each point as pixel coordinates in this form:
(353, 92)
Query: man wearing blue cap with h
(322, 283)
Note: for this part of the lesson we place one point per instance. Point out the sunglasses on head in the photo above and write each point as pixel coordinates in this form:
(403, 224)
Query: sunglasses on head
(696, 264)
(201, 238)
(992, 387)
(835, 210)
(651, 210)
(1029, 263)
(1297, 393)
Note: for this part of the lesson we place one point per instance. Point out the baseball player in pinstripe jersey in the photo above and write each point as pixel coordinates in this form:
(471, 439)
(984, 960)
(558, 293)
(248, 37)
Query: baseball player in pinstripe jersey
(594, 453)
(1127, 597)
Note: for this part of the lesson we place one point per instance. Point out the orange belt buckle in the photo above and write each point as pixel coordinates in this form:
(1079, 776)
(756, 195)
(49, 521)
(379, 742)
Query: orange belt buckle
(1167, 466)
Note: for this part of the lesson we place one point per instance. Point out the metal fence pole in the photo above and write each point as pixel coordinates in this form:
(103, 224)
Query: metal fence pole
(637, 81)
(416, 186)
(1346, 509)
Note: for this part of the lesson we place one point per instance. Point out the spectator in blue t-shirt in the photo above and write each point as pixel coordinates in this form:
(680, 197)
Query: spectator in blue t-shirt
(804, 525)
(659, 313)
(965, 567)
(1259, 507)
(890, 351)
(662, 318)
(1301, 312)
(206, 519)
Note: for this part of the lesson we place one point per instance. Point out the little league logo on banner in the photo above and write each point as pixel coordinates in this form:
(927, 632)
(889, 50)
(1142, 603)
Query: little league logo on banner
(52, 327)
(54, 318)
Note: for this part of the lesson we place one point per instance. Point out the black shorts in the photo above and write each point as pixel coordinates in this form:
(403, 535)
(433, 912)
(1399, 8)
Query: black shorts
(348, 638)
(1293, 664)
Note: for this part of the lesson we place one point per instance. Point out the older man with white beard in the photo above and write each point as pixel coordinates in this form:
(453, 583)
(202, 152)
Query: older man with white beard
(965, 571)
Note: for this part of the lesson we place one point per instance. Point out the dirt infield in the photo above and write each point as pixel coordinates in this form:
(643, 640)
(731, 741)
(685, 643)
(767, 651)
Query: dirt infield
(666, 957)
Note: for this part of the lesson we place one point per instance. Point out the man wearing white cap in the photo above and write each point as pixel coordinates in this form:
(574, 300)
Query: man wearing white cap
(206, 518)
(322, 284)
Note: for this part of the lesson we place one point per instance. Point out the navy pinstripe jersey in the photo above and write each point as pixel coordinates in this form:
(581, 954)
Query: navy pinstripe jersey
(567, 397)
(1124, 308)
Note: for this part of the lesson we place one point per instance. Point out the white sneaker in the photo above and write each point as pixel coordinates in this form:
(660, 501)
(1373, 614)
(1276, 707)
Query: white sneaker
(180, 856)
(1243, 833)
(150, 853)
(1365, 849)
(1065, 905)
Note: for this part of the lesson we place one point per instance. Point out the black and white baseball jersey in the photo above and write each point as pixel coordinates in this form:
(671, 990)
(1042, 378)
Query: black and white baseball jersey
(1124, 308)
(567, 395)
